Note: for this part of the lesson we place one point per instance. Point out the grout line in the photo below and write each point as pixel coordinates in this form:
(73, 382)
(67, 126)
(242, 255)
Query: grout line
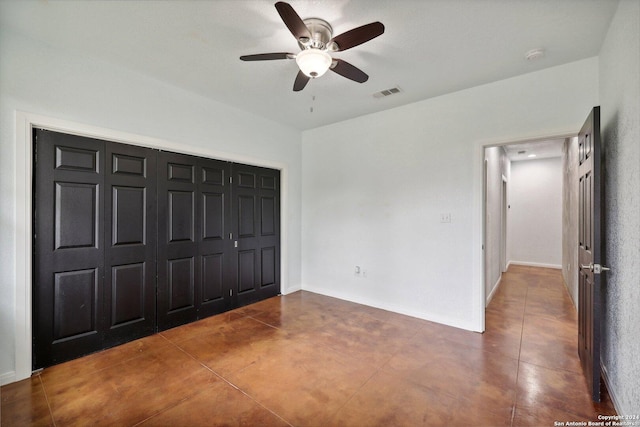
(228, 382)
(524, 313)
(46, 398)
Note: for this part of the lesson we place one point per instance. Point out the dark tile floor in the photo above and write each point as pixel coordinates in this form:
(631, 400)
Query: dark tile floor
(309, 360)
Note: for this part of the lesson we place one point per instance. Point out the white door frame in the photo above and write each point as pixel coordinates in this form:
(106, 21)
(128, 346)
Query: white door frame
(504, 210)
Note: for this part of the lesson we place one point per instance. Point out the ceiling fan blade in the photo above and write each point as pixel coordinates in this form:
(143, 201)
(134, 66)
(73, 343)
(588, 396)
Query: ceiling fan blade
(301, 81)
(349, 71)
(358, 36)
(292, 20)
(267, 56)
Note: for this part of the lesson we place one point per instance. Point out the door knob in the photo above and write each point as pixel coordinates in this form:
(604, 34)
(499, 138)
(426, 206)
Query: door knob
(596, 268)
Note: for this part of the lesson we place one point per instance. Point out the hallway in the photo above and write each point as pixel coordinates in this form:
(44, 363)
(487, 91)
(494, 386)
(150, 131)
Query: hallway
(310, 360)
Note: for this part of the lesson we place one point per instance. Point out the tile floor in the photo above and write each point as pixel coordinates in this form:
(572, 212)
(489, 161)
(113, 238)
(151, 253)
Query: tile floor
(309, 360)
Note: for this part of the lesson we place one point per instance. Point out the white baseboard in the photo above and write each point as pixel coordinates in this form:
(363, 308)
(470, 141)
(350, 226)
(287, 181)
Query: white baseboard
(290, 290)
(494, 290)
(612, 393)
(389, 307)
(7, 377)
(536, 264)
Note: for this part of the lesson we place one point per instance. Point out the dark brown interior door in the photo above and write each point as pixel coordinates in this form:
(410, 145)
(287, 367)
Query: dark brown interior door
(256, 233)
(589, 251)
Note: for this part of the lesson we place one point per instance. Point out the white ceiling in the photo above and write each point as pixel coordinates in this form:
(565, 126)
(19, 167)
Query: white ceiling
(540, 149)
(429, 48)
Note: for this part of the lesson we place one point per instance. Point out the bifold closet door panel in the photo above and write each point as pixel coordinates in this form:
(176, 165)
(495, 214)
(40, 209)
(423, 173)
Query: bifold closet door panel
(177, 247)
(130, 237)
(68, 259)
(192, 239)
(256, 228)
(214, 244)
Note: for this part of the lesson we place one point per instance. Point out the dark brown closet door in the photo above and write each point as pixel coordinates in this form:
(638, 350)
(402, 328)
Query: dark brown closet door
(130, 240)
(94, 246)
(256, 233)
(192, 216)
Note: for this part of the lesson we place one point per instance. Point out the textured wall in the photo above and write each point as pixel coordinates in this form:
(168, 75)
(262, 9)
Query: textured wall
(570, 217)
(620, 102)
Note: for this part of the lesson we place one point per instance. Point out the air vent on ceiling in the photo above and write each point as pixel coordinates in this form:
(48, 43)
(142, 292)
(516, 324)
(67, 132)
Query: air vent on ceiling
(387, 92)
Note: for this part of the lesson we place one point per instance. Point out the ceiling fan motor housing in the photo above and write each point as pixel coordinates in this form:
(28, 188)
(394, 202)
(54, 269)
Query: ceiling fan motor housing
(321, 34)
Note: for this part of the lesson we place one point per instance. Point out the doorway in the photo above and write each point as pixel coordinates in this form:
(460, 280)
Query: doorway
(523, 207)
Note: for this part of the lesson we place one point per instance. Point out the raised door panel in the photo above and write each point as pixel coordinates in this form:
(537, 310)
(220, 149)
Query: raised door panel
(128, 293)
(247, 271)
(75, 300)
(76, 217)
(129, 223)
(269, 267)
(213, 216)
(181, 213)
(213, 278)
(181, 284)
(246, 215)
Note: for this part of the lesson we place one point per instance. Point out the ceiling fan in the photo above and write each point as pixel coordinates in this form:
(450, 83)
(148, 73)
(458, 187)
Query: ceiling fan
(315, 38)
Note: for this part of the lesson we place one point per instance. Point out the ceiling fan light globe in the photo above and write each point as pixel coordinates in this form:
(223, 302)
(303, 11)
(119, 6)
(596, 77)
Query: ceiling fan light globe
(313, 62)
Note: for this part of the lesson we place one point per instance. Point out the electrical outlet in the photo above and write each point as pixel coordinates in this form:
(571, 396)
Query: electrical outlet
(445, 217)
(357, 270)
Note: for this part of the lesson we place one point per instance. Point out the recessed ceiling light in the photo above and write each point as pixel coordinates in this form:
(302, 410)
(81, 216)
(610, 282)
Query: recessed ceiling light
(534, 54)
(531, 155)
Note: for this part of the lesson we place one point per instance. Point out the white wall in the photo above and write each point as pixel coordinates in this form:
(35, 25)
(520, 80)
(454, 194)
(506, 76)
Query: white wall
(620, 120)
(374, 188)
(41, 80)
(535, 216)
